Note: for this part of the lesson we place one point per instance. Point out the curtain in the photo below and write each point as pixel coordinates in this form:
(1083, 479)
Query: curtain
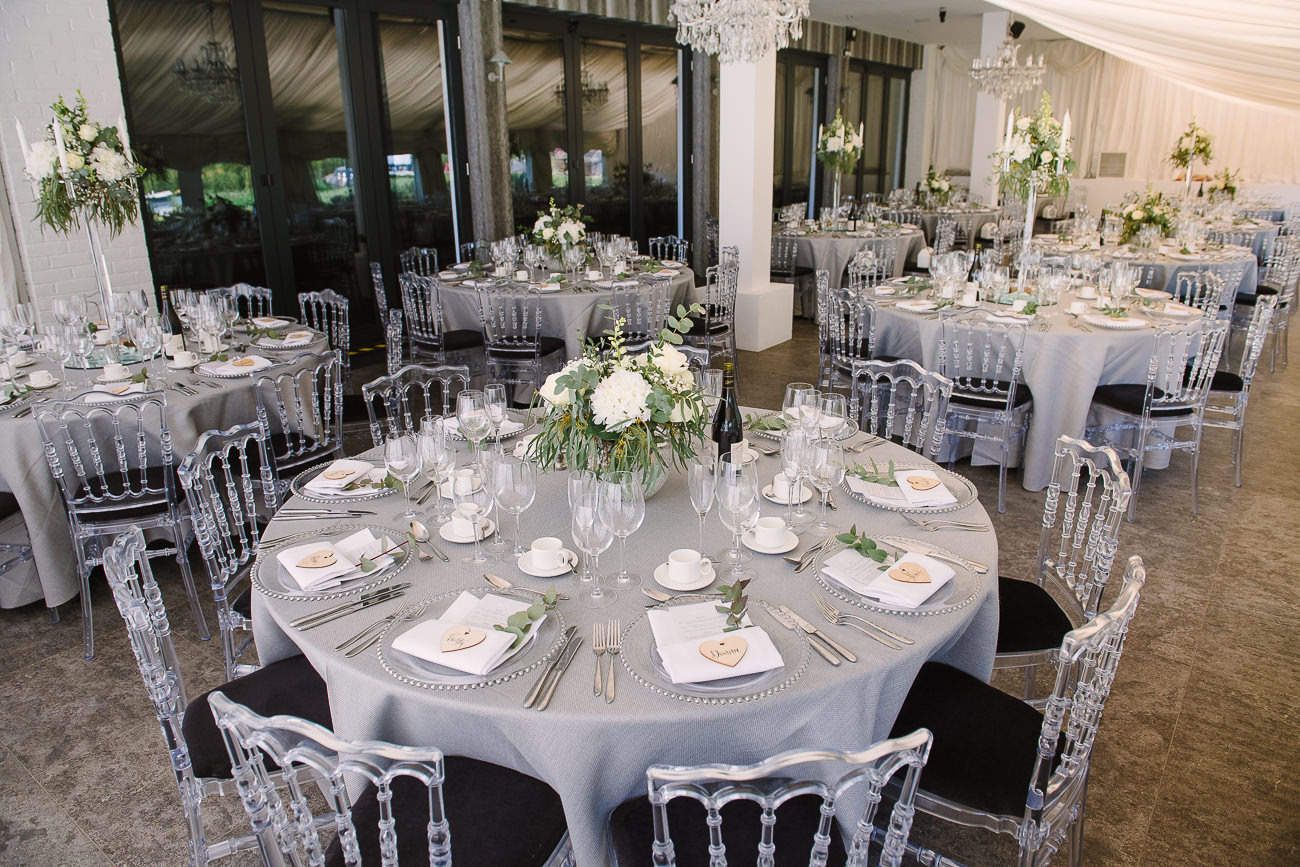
(1244, 52)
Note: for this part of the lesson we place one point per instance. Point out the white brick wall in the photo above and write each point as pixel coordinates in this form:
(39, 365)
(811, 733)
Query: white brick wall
(51, 48)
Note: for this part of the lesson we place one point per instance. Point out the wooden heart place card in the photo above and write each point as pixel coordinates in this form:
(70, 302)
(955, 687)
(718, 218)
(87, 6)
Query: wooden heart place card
(461, 638)
(923, 488)
(729, 651)
(694, 646)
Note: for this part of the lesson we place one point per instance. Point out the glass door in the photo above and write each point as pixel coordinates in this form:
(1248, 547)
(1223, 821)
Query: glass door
(801, 92)
(877, 96)
(601, 91)
(660, 139)
(535, 118)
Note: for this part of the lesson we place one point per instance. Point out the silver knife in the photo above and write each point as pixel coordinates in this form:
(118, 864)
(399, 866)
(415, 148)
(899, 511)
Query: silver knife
(537, 687)
(914, 547)
(813, 630)
(816, 645)
(559, 673)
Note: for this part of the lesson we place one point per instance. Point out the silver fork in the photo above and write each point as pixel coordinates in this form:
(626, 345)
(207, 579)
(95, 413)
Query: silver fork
(936, 524)
(613, 643)
(843, 618)
(375, 630)
(597, 647)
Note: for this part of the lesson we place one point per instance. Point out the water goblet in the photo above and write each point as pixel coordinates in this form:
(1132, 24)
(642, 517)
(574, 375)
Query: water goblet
(737, 486)
(738, 517)
(437, 461)
(799, 406)
(494, 402)
(832, 412)
(580, 484)
(593, 537)
(472, 417)
(402, 460)
(826, 460)
(514, 485)
(622, 508)
(490, 458)
(473, 502)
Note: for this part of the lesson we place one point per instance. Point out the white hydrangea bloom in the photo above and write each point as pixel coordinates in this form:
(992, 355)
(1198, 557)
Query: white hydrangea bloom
(620, 398)
(42, 159)
(108, 164)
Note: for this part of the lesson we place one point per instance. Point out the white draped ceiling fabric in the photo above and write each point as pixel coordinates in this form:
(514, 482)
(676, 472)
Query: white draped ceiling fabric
(1247, 52)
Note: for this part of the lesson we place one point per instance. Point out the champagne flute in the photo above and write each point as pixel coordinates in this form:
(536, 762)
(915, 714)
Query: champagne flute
(702, 480)
(514, 485)
(827, 465)
(622, 508)
(494, 402)
(437, 461)
(582, 483)
(473, 502)
(402, 460)
(472, 417)
(592, 536)
(794, 463)
(710, 384)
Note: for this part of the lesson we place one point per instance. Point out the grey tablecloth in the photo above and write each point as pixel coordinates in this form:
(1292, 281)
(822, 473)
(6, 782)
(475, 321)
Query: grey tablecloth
(594, 754)
(977, 216)
(1169, 265)
(832, 251)
(24, 471)
(568, 313)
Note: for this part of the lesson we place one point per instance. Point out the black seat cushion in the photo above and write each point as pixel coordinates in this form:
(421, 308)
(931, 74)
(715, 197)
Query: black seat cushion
(632, 832)
(800, 271)
(1128, 397)
(985, 740)
(1028, 617)
(1223, 380)
(717, 323)
(994, 401)
(498, 817)
(548, 344)
(462, 339)
(243, 603)
(115, 483)
(290, 686)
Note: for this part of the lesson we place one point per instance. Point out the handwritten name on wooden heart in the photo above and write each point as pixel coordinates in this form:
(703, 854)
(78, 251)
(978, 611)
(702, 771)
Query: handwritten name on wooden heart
(910, 573)
(243, 362)
(461, 638)
(318, 560)
(922, 483)
(335, 475)
(729, 651)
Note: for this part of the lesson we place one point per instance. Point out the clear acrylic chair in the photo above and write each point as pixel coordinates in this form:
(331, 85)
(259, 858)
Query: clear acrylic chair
(112, 463)
(327, 312)
(381, 294)
(1230, 391)
(217, 478)
(1148, 417)
(417, 805)
(714, 329)
(426, 332)
(1204, 290)
(399, 403)
(990, 403)
(670, 247)
(515, 349)
(393, 341)
(1085, 505)
(867, 271)
(1001, 765)
(1278, 278)
(193, 743)
(911, 216)
(643, 309)
(781, 810)
(846, 328)
(250, 300)
(300, 411)
(420, 260)
(901, 401)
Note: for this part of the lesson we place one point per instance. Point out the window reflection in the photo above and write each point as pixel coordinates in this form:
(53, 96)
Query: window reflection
(659, 96)
(539, 166)
(603, 94)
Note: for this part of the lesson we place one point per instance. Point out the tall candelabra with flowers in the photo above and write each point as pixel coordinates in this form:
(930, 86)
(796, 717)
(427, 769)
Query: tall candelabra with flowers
(1035, 158)
(83, 172)
(612, 410)
(1194, 144)
(558, 229)
(838, 147)
(1139, 210)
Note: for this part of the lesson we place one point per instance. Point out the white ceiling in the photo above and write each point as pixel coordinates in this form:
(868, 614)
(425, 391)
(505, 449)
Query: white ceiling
(918, 21)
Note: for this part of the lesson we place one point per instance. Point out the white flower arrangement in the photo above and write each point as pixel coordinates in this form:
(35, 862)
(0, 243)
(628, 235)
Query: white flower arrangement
(557, 228)
(1194, 144)
(938, 185)
(1035, 155)
(838, 145)
(1151, 209)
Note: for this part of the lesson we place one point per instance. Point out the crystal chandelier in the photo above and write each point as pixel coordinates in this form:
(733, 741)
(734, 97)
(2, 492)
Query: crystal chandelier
(593, 95)
(1003, 77)
(211, 78)
(738, 31)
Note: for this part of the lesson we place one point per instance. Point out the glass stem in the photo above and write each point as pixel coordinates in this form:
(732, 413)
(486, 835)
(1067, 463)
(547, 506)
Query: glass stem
(703, 515)
(622, 558)
(824, 497)
(519, 542)
(406, 492)
(478, 549)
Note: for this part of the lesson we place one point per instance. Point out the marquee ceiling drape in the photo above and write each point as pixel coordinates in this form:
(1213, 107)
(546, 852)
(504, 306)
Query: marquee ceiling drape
(1247, 52)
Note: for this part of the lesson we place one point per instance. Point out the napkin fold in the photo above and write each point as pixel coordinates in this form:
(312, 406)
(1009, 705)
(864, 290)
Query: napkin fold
(680, 630)
(230, 368)
(452, 425)
(355, 469)
(939, 495)
(877, 493)
(269, 321)
(347, 551)
(424, 640)
(863, 575)
(1173, 308)
(293, 338)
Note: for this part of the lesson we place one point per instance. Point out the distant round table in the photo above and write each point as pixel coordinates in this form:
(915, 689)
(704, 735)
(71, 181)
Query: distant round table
(1166, 262)
(832, 251)
(974, 217)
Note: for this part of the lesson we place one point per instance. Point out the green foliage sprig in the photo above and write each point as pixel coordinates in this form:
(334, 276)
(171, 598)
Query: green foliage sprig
(775, 421)
(864, 546)
(1114, 312)
(388, 481)
(519, 623)
(398, 551)
(874, 475)
(737, 604)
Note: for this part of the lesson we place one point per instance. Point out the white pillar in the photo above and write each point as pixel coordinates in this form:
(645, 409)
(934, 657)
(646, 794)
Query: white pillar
(990, 115)
(746, 129)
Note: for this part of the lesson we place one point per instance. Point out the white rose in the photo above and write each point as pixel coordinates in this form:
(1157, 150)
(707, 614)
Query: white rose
(75, 161)
(553, 394)
(684, 410)
(620, 398)
(88, 131)
(834, 143)
(1138, 214)
(1022, 124)
(1021, 151)
(548, 233)
(1047, 156)
(540, 225)
(668, 358)
(944, 185)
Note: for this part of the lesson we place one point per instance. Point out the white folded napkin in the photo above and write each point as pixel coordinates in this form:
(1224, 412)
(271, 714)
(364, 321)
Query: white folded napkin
(877, 493)
(355, 470)
(864, 575)
(269, 321)
(449, 275)
(1008, 317)
(939, 495)
(923, 257)
(229, 368)
(293, 338)
(670, 272)
(680, 630)
(885, 290)
(671, 263)
(347, 557)
(452, 425)
(424, 640)
(114, 391)
(1173, 308)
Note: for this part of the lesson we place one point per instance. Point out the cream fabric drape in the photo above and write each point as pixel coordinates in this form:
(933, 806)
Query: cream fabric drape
(1248, 52)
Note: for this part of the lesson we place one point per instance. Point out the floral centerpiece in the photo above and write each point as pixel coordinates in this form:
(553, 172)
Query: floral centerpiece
(838, 147)
(612, 410)
(557, 228)
(1194, 144)
(1152, 209)
(1225, 184)
(938, 186)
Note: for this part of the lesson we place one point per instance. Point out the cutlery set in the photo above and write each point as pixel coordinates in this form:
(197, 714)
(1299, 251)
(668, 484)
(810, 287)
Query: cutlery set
(343, 609)
(826, 646)
(606, 637)
(540, 695)
(319, 514)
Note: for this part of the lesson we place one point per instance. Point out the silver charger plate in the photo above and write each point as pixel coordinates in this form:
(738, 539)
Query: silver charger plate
(269, 578)
(961, 591)
(522, 416)
(961, 487)
(850, 429)
(298, 487)
(428, 675)
(641, 660)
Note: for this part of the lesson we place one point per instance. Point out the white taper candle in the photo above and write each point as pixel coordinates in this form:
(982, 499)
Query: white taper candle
(57, 124)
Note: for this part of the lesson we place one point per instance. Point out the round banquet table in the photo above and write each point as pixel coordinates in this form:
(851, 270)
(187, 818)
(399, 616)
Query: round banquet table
(1062, 367)
(1167, 261)
(1260, 233)
(570, 313)
(978, 217)
(595, 754)
(832, 251)
(25, 472)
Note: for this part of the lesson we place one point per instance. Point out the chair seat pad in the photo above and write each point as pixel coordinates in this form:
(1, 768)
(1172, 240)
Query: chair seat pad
(290, 686)
(548, 346)
(497, 817)
(148, 504)
(1128, 397)
(462, 339)
(985, 740)
(717, 323)
(995, 401)
(1226, 380)
(632, 832)
(243, 603)
(1028, 617)
(800, 271)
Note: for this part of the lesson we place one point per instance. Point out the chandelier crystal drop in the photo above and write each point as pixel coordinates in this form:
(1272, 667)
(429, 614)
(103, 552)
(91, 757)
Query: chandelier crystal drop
(738, 31)
(1003, 77)
(211, 78)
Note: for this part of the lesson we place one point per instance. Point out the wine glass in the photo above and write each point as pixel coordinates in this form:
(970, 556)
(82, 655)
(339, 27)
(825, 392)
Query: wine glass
(826, 462)
(702, 480)
(622, 508)
(573, 258)
(738, 517)
(582, 483)
(592, 536)
(799, 405)
(514, 485)
(473, 501)
(490, 457)
(494, 402)
(737, 486)
(437, 460)
(832, 412)
(794, 463)
(402, 460)
(83, 344)
(472, 417)
(147, 337)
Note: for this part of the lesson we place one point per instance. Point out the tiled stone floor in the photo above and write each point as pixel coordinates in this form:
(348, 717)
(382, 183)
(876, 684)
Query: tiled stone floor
(1196, 760)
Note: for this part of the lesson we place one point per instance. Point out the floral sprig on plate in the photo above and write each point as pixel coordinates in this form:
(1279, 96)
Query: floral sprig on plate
(864, 546)
(737, 603)
(1194, 144)
(557, 228)
(93, 160)
(388, 481)
(1113, 312)
(838, 145)
(1036, 155)
(874, 475)
(753, 421)
(519, 623)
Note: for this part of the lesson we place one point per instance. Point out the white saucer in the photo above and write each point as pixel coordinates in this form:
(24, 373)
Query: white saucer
(767, 492)
(964, 304)
(104, 377)
(172, 365)
(28, 363)
(791, 542)
(707, 574)
(43, 387)
(489, 527)
(525, 563)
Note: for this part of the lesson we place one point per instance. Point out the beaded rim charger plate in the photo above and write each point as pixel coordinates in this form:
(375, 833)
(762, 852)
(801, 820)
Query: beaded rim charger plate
(299, 489)
(961, 487)
(957, 594)
(269, 577)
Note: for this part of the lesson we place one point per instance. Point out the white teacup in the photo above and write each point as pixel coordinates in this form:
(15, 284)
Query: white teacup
(684, 565)
(782, 487)
(521, 275)
(1078, 307)
(463, 520)
(18, 357)
(1087, 291)
(463, 481)
(548, 553)
(41, 378)
(769, 532)
(185, 358)
(115, 370)
(970, 298)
